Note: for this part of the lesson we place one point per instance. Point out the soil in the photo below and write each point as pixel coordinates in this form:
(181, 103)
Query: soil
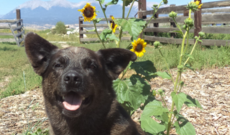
(210, 87)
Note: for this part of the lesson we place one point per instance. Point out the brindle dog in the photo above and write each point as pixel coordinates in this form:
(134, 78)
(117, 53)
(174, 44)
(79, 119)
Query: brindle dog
(77, 88)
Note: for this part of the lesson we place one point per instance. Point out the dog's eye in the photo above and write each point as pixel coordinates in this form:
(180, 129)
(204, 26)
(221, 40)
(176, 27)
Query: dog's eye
(93, 66)
(57, 65)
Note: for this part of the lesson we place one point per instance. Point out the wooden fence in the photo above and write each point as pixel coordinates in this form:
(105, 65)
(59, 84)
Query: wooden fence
(82, 31)
(207, 15)
(221, 16)
(13, 25)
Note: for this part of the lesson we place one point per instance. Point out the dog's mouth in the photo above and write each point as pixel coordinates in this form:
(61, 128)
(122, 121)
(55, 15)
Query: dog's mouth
(72, 101)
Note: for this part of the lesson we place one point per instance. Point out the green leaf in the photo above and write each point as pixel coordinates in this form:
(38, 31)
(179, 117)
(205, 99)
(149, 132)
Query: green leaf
(101, 1)
(113, 2)
(178, 99)
(128, 92)
(145, 68)
(104, 34)
(190, 56)
(177, 31)
(127, 2)
(153, 108)
(151, 126)
(132, 26)
(136, 79)
(189, 67)
(183, 126)
(97, 20)
(181, 98)
(163, 75)
(112, 37)
(192, 102)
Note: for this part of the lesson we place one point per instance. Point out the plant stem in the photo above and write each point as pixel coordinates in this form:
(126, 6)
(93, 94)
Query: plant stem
(178, 26)
(130, 9)
(187, 41)
(123, 16)
(162, 98)
(192, 50)
(124, 72)
(166, 64)
(104, 14)
(98, 34)
(175, 84)
(151, 17)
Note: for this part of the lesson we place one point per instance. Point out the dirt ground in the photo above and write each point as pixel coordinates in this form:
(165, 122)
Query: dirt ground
(211, 87)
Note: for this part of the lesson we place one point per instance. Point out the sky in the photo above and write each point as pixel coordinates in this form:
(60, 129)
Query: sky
(8, 5)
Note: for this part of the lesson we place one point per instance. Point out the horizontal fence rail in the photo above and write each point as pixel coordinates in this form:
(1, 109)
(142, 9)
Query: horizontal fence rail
(96, 39)
(206, 42)
(182, 8)
(211, 16)
(13, 25)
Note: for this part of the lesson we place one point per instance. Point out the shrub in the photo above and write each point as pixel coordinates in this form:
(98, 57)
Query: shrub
(60, 28)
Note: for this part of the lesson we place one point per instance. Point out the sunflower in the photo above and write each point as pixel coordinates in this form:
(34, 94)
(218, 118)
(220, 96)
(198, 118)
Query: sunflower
(198, 4)
(139, 47)
(88, 12)
(113, 25)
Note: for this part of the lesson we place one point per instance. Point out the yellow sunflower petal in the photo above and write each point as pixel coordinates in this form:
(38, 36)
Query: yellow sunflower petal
(112, 18)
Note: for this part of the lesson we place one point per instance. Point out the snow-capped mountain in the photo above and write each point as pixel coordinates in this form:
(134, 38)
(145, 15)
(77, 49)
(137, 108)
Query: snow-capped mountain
(50, 12)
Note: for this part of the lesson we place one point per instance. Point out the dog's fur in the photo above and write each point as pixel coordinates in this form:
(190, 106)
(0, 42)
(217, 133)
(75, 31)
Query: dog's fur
(81, 77)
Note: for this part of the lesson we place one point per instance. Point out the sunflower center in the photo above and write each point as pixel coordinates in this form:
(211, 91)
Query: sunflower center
(139, 48)
(88, 12)
(113, 25)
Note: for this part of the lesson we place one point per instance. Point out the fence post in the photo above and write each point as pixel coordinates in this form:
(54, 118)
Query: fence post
(155, 25)
(141, 7)
(80, 29)
(172, 24)
(197, 21)
(18, 16)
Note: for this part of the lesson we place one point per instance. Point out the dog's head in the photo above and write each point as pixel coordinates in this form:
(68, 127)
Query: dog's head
(75, 79)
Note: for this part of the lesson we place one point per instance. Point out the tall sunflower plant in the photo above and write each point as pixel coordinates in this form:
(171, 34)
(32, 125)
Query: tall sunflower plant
(134, 92)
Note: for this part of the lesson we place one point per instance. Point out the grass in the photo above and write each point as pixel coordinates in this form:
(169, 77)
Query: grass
(14, 61)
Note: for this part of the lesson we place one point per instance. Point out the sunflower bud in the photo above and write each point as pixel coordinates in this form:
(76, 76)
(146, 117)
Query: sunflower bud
(201, 34)
(189, 22)
(154, 93)
(173, 14)
(155, 6)
(165, 1)
(156, 44)
(181, 83)
(161, 92)
(185, 27)
(192, 6)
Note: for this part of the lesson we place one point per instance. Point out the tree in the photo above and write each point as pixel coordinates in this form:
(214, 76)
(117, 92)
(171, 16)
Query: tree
(60, 28)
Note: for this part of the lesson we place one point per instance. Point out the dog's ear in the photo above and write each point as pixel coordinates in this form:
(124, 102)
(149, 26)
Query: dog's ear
(38, 51)
(116, 60)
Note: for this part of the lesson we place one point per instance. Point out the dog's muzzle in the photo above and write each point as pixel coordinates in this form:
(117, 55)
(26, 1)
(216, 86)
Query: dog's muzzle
(72, 79)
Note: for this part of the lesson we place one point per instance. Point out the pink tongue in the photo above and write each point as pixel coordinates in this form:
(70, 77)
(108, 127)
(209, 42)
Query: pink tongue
(72, 101)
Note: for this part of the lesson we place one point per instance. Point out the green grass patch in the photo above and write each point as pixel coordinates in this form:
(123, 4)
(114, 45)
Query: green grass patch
(14, 62)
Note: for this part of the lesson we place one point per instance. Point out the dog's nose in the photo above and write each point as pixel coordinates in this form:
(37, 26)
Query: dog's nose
(72, 79)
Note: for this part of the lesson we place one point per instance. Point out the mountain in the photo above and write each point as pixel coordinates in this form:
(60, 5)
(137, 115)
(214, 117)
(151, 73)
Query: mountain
(50, 12)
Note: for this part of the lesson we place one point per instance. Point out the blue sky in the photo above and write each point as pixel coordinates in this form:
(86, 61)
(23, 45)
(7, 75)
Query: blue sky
(8, 5)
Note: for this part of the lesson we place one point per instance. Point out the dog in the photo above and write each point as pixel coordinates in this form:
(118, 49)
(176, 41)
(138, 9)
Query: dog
(77, 88)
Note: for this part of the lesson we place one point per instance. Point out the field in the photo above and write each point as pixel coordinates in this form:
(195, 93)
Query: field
(18, 78)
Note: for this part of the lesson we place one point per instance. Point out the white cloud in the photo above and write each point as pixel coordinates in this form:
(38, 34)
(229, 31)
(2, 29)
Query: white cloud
(32, 4)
